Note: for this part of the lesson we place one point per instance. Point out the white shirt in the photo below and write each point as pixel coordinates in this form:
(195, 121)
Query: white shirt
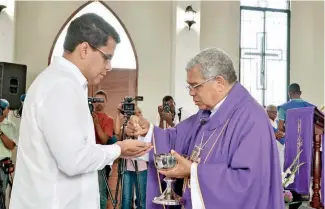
(58, 157)
(10, 130)
(195, 190)
(281, 148)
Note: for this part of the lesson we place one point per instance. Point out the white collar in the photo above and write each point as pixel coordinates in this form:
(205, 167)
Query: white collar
(69, 66)
(214, 110)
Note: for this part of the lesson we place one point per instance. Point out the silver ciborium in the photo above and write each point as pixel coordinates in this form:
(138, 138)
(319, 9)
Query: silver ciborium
(168, 197)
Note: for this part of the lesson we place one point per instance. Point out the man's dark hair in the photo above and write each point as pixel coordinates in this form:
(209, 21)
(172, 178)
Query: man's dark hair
(89, 28)
(294, 88)
(167, 98)
(101, 92)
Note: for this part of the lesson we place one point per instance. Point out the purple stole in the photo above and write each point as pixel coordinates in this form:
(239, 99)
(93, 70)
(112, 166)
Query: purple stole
(299, 136)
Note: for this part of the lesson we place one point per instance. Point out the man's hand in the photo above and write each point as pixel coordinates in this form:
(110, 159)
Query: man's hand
(137, 126)
(167, 116)
(160, 110)
(181, 170)
(95, 118)
(133, 148)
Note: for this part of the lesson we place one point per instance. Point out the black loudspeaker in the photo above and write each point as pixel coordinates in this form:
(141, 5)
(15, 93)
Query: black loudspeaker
(12, 83)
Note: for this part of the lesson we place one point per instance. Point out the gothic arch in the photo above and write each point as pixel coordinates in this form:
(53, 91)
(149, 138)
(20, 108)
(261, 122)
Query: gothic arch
(125, 36)
(122, 80)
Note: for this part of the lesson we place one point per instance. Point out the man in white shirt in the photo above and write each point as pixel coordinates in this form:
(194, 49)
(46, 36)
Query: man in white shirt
(232, 158)
(58, 157)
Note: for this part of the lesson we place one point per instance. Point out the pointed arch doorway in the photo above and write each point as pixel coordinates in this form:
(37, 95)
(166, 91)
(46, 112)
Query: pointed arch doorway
(122, 80)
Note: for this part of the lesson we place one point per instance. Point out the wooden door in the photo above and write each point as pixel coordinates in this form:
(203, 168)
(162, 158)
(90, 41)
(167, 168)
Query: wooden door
(117, 84)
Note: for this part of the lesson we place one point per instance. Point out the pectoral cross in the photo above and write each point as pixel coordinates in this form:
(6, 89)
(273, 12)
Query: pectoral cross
(195, 156)
(299, 143)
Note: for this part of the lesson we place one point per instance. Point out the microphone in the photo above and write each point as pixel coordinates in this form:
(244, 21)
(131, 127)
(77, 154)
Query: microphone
(205, 116)
(203, 121)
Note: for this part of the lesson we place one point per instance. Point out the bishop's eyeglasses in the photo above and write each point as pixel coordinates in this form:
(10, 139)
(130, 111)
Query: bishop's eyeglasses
(194, 88)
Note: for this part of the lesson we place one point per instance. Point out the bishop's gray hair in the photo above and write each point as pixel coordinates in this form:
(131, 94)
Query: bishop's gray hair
(214, 62)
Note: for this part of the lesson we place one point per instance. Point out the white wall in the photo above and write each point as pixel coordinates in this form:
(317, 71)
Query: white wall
(307, 49)
(7, 38)
(149, 25)
(7, 31)
(186, 44)
(220, 27)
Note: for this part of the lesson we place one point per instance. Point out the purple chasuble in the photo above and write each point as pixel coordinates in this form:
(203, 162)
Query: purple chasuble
(299, 136)
(239, 166)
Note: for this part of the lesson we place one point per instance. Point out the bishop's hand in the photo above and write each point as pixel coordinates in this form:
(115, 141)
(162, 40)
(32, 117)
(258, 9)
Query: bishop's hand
(181, 170)
(137, 126)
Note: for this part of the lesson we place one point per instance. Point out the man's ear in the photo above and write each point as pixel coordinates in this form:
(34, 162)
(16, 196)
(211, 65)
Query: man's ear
(83, 49)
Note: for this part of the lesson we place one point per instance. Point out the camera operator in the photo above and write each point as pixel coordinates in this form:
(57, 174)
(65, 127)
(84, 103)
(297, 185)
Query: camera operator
(167, 113)
(58, 159)
(8, 136)
(104, 124)
(130, 175)
(104, 131)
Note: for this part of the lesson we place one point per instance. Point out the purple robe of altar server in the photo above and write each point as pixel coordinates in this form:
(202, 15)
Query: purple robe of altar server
(238, 170)
(304, 117)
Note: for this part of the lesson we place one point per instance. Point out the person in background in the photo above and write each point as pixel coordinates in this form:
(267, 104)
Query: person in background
(167, 116)
(104, 126)
(132, 179)
(279, 135)
(272, 113)
(9, 138)
(295, 102)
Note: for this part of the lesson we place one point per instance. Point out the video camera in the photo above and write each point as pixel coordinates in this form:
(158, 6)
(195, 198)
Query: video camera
(128, 106)
(92, 100)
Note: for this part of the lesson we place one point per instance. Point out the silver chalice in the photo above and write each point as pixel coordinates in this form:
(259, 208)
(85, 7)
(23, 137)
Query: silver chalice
(168, 197)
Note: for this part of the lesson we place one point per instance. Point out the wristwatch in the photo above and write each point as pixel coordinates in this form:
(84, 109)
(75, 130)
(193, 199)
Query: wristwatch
(1, 132)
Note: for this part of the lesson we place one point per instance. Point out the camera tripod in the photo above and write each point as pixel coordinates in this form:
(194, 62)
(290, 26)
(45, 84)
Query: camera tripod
(110, 195)
(122, 168)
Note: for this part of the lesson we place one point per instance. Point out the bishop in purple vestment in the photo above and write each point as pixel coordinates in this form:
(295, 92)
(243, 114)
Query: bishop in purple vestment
(238, 166)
